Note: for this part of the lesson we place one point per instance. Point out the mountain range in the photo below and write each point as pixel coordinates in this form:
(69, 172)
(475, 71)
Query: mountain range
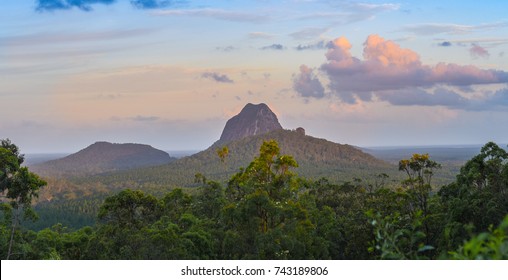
(243, 134)
(78, 183)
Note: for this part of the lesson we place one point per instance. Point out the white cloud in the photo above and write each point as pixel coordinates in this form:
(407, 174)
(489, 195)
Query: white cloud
(219, 14)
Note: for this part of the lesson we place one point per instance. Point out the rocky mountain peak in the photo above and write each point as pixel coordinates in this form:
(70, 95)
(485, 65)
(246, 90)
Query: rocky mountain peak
(254, 119)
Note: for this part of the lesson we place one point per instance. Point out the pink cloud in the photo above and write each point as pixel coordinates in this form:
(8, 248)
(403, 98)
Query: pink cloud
(378, 50)
(387, 66)
(478, 52)
(390, 73)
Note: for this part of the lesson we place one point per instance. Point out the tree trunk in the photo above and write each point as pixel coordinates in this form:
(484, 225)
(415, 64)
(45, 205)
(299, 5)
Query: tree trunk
(13, 230)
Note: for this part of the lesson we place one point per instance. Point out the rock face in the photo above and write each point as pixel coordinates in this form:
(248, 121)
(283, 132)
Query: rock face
(301, 131)
(252, 120)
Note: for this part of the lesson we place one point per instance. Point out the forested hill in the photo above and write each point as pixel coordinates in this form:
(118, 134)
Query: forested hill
(316, 158)
(103, 157)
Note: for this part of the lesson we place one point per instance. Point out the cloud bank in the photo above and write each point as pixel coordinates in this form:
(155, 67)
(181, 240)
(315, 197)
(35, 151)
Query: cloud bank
(217, 77)
(86, 5)
(346, 12)
(308, 33)
(445, 44)
(219, 14)
(315, 46)
(152, 4)
(277, 47)
(426, 29)
(140, 118)
(396, 75)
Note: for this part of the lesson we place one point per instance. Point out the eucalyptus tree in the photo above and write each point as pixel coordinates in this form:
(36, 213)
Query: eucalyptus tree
(18, 187)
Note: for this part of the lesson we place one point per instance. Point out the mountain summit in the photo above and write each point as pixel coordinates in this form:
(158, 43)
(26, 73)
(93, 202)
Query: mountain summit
(103, 157)
(252, 120)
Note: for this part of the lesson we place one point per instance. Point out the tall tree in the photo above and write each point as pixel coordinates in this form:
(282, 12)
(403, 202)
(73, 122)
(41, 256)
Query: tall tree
(223, 153)
(263, 214)
(420, 170)
(478, 198)
(18, 186)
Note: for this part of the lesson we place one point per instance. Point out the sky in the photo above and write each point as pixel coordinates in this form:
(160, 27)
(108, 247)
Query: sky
(171, 73)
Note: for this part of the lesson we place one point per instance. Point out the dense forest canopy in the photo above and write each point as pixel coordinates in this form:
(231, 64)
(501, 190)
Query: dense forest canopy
(266, 211)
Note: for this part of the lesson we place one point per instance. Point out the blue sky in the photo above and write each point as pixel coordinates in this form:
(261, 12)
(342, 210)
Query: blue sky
(170, 73)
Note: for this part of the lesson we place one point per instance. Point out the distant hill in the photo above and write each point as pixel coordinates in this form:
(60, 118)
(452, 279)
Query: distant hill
(252, 120)
(78, 183)
(119, 166)
(451, 155)
(244, 134)
(316, 158)
(103, 157)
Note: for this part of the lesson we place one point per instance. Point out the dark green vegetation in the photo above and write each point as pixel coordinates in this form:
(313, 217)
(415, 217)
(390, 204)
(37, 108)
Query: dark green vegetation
(18, 187)
(94, 173)
(265, 211)
(317, 157)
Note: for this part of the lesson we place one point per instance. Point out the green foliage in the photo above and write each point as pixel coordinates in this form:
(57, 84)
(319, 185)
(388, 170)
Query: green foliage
(397, 238)
(262, 211)
(71, 213)
(266, 211)
(132, 209)
(491, 245)
(488, 170)
(316, 157)
(223, 153)
(478, 199)
(18, 187)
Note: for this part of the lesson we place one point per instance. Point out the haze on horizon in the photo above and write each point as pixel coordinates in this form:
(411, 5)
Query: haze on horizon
(170, 73)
